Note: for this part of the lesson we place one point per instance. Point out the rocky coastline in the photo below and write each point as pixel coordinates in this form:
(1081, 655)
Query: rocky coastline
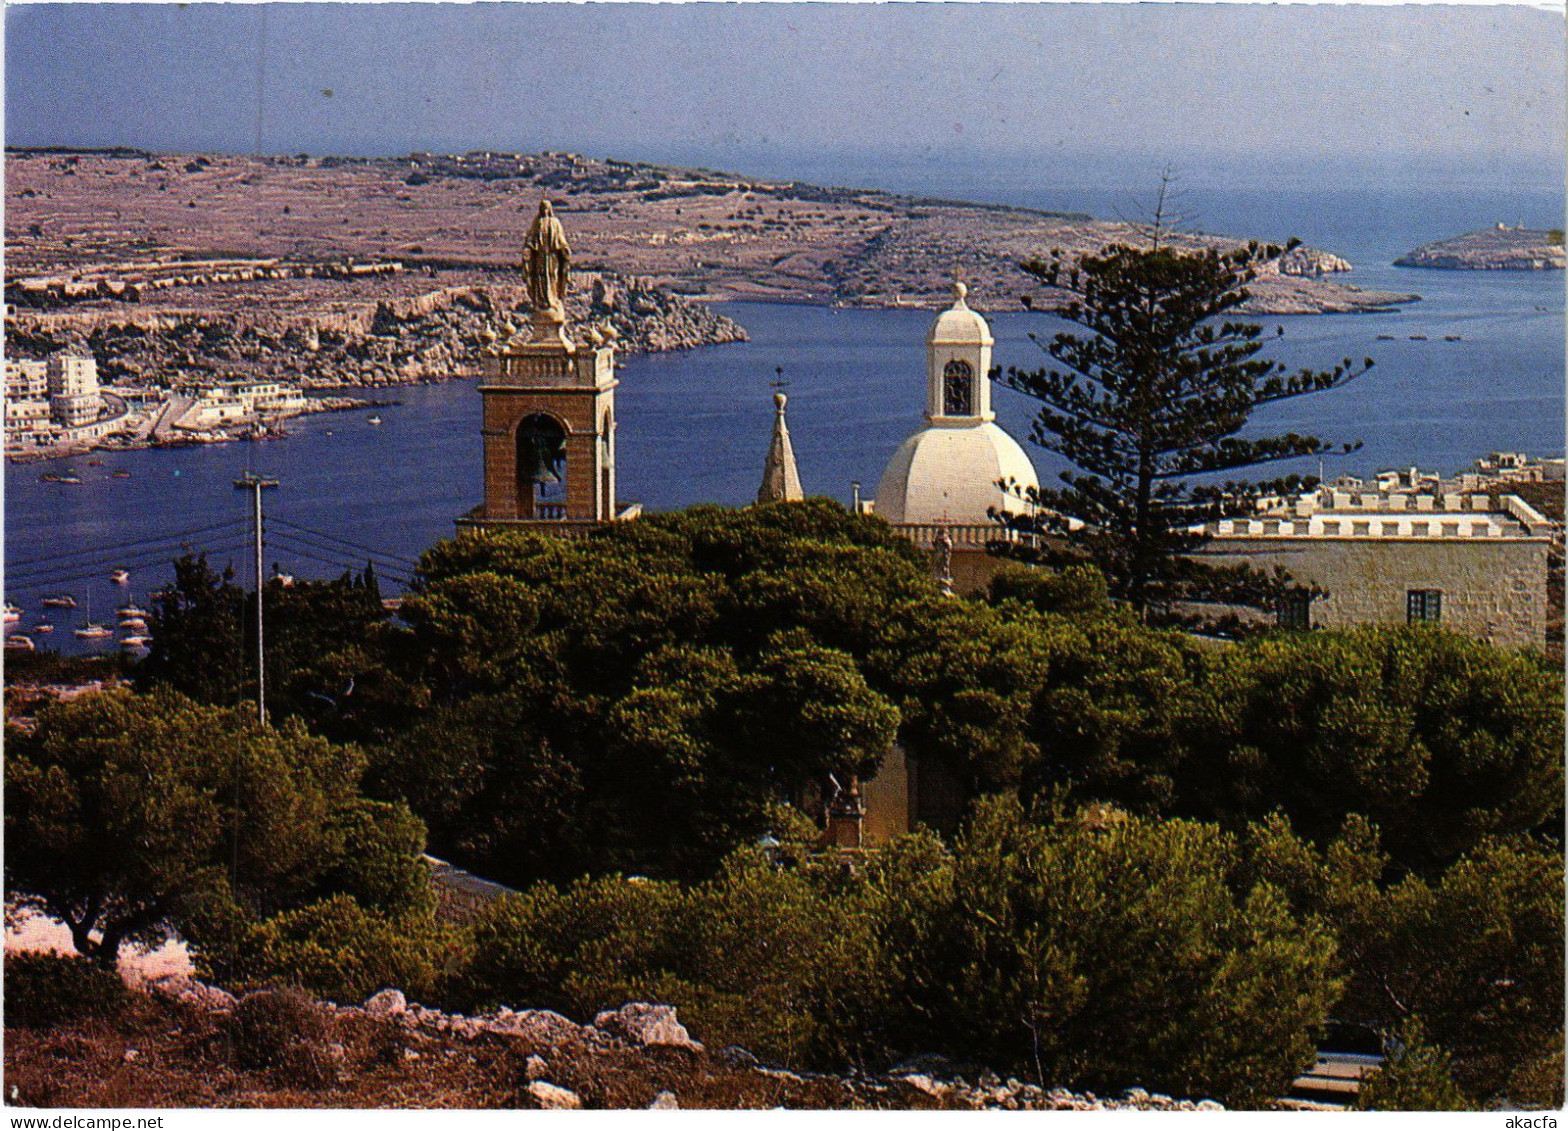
(1492, 249)
(433, 335)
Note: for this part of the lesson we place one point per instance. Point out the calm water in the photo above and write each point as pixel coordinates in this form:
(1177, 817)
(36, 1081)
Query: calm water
(694, 426)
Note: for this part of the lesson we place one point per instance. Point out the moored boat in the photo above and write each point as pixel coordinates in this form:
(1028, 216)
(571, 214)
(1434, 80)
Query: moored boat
(12, 613)
(43, 626)
(133, 624)
(132, 643)
(19, 643)
(60, 601)
(120, 577)
(130, 610)
(92, 631)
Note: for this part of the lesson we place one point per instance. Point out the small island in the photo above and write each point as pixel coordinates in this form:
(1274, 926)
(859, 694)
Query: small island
(1493, 249)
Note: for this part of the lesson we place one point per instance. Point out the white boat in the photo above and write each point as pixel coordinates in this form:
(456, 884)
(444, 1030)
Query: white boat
(132, 643)
(375, 420)
(60, 601)
(12, 613)
(133, 624)
(19, 643)
(131, 610)
(92, 631)
(120, 577)
(43, 626)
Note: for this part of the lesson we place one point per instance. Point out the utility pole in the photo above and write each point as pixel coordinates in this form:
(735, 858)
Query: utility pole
(255, 484)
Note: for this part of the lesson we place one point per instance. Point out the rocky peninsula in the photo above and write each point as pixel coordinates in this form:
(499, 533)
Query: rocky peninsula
(184, 222)
(389, 330)
(1493, 249)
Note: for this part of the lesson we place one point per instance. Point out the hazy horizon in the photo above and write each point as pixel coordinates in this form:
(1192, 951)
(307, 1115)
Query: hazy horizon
(909, 94)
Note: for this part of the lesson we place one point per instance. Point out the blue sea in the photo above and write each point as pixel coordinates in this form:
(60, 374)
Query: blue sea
(694, 426)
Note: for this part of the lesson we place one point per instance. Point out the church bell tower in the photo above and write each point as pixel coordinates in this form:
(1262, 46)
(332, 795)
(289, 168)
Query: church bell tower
(548, 408)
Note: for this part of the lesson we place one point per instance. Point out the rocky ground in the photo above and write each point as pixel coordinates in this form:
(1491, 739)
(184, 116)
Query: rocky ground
(1492, 249)
(711, 235)
(183, 1044)
(343, 331)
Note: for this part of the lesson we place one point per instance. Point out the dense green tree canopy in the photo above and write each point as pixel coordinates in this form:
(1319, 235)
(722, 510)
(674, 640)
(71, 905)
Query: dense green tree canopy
(129, 816)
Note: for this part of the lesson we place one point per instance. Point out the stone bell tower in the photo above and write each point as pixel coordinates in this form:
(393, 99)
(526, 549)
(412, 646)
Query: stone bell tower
(549, 407)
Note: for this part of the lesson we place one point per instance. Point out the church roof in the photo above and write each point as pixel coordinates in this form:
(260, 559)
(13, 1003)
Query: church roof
(780, 479)
(948, 474)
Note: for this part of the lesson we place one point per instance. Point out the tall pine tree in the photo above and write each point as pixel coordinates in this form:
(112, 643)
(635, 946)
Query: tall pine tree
(1147, 403)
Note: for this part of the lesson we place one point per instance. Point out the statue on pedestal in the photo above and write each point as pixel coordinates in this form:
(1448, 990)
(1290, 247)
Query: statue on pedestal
(547, 260)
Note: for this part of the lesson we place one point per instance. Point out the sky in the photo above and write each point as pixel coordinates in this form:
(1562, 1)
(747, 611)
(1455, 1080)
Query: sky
(770, 88)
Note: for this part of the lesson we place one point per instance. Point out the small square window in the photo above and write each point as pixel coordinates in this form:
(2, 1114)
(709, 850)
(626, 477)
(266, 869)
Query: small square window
(1294, 610)
(1424, 606)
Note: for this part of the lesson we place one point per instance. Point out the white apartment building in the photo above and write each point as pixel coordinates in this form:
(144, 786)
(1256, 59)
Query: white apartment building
(74, 398)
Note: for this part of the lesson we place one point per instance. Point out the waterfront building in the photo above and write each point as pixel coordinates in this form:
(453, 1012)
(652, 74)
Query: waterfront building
(942, 483)
(74, 398)
(1473, 563)
(241, 402)
(26, 380)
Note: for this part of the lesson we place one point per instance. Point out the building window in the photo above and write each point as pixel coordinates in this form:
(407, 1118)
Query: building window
(1422, 605)
(958, 389)
(1294, 611)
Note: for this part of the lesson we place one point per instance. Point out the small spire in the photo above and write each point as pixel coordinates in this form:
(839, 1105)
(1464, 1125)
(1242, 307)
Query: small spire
(780, 479)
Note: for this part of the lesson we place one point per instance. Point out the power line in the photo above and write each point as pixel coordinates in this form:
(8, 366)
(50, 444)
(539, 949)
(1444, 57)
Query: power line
(345, 541)
(86, 571)
(115, 547)
(283, 541)
(393, 565)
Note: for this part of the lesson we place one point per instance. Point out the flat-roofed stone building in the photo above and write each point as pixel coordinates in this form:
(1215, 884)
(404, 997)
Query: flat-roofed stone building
(1473, 563)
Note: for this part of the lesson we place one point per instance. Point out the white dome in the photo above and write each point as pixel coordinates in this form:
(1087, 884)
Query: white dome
(958, 325)
(947, 474)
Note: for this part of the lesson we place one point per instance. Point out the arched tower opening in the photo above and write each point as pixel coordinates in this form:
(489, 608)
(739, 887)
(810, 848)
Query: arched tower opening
(541, 467)
(958, 389)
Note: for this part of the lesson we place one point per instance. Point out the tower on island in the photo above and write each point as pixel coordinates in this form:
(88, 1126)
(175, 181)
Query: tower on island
(549, 407)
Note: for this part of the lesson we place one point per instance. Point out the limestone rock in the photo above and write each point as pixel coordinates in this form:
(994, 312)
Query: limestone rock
(192, 992)
(548, 1097)
(733, 1056)
(644, 1024)
(541, 1025)
(664, 1101)
(534, 1068)
(387, 1003)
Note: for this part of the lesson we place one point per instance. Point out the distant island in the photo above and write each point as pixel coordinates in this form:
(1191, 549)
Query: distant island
(1493, 249)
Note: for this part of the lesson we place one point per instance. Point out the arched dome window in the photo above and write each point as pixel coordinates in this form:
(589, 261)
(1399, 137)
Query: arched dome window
(958, 389)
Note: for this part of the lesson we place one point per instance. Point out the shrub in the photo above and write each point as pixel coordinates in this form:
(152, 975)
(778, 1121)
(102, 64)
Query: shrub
(1096, 949)
(1414, 1077)
(283, 1032)
(1104, 950)
(45, 990)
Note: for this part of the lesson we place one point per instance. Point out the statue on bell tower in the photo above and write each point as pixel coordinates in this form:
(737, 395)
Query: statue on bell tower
(547, 260)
